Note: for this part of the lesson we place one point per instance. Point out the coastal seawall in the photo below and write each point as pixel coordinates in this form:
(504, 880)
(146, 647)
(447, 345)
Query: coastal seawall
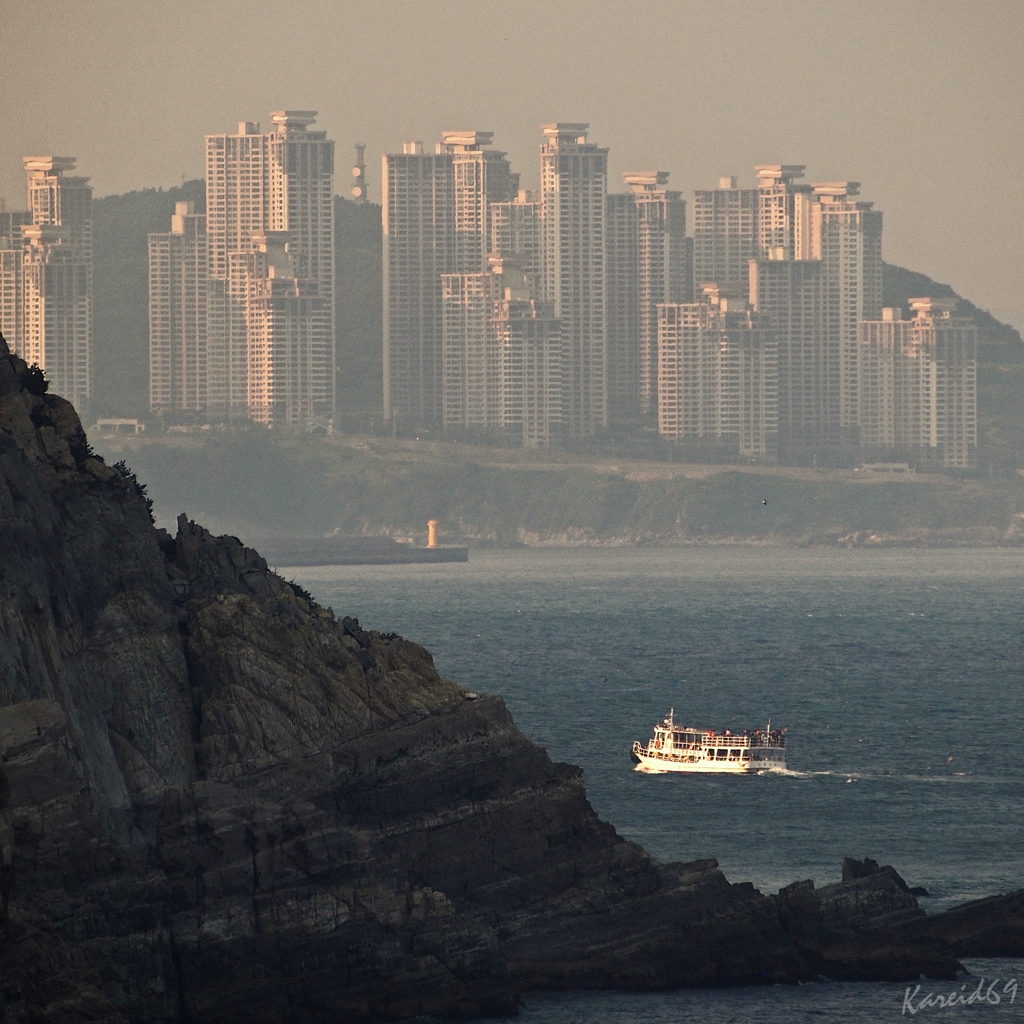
(220, 801)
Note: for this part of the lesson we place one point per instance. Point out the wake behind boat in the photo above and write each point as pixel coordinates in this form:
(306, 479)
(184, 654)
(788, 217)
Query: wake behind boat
(685, 749)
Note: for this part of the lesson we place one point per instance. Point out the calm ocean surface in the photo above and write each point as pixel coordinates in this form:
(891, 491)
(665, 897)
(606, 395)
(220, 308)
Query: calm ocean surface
(899, 674)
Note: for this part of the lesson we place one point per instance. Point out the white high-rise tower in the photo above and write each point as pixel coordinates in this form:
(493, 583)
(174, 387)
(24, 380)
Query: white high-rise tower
(437, 221)
(846, 235)
(178, 275)
(574, 182)
(279, 181)
(56, 286)
(724, 236)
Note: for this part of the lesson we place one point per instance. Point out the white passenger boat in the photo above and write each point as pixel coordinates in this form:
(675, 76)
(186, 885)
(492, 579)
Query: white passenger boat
(675, 748)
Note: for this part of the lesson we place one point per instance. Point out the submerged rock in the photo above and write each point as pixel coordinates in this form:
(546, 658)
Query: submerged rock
(221, 802)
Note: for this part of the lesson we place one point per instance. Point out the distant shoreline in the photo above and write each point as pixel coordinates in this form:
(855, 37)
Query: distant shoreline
(256, 485)
(871, 543)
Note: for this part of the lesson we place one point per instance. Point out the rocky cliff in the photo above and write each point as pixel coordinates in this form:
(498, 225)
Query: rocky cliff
(220, 801)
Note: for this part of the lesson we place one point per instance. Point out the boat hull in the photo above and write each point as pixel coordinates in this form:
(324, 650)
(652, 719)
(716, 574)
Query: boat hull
(654, 762)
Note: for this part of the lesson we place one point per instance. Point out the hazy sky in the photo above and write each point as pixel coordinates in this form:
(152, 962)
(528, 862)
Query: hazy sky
(919, 101)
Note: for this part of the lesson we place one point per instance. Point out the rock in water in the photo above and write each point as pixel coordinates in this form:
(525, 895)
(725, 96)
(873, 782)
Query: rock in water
(220, 802)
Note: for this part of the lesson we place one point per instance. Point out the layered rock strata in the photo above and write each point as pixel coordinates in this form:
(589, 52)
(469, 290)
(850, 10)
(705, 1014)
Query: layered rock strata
(221, 802)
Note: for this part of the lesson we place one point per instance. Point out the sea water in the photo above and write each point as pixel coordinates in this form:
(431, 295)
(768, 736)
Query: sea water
(897, 673)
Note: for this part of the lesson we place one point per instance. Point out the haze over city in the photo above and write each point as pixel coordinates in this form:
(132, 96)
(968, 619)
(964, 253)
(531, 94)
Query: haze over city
(917, 101)
(510, 509)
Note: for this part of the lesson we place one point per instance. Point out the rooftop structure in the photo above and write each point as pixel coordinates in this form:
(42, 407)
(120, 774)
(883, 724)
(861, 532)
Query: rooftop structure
(467, 140)
(289, 120)
(54, 164)
(786, 173)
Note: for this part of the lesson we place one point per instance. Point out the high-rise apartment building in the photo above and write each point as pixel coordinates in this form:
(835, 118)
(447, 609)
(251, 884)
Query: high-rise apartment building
(665, 267)
(529, 342)
(11, 274)
(436, 221)
(777, 229)
(516, 231)
(11, 223)
(648, 260)
(789, 296)
(717, 374)
(622, 308)
(279, 181)
(733, 225)
(688, 373)
(502, 357)
(480, 178)
(10, 294)
(238, 186)
(55, 321)
(237, 192)
(469, 355)
(418, 226)
(917, 383)
(757, 404)
(724, 233)
(882, 391)
(285, 316)
(178, 273)
(822, 224)
(846, 236)
(574, 182)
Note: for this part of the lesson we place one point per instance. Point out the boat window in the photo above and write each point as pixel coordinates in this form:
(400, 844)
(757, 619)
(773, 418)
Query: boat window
(722, 754)
(734, 753)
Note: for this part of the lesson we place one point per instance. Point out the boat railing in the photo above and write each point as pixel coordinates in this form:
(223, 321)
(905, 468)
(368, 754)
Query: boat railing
(704, 740)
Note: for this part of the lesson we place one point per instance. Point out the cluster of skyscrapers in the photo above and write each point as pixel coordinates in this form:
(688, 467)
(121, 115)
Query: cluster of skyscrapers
(241, 298)
(558, 314)
(527, 317)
